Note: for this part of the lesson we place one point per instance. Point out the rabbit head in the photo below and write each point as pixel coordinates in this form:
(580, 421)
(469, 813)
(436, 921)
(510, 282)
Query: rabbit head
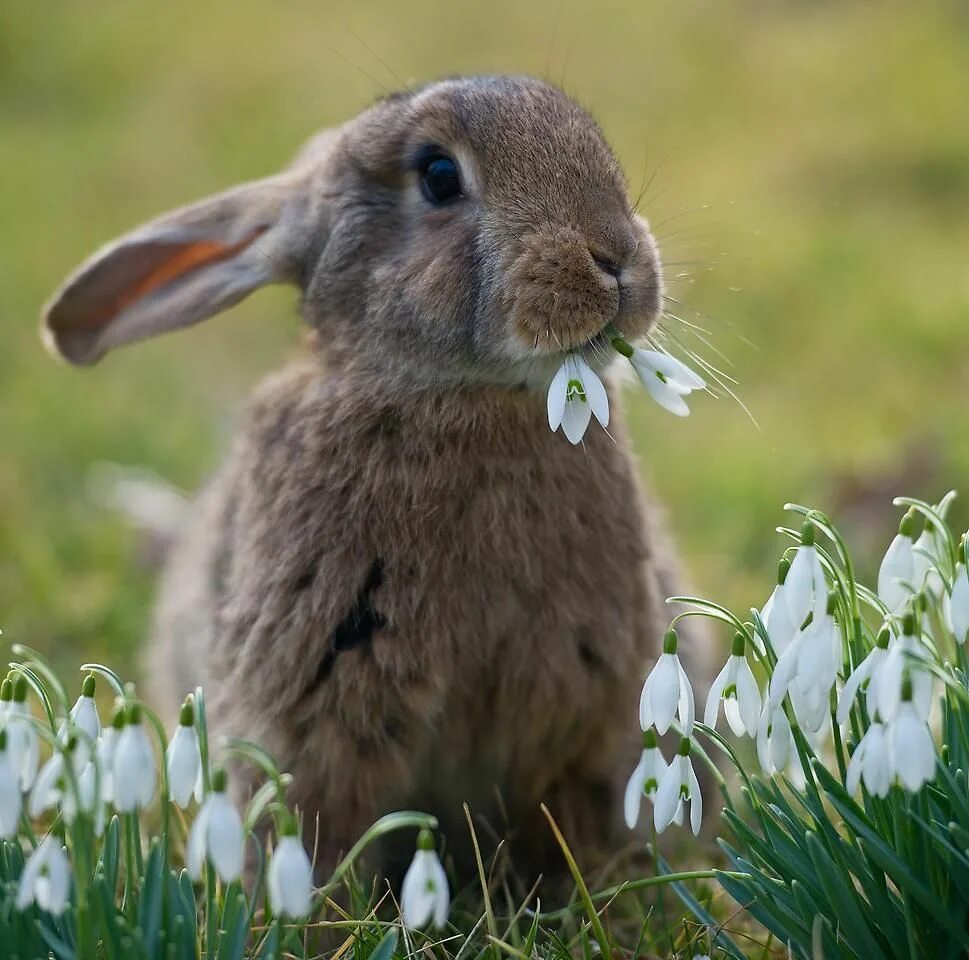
(469, 231)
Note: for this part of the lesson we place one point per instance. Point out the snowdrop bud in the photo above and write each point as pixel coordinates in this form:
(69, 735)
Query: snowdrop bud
(216, 834)
(183, 757)
(6, 695)
(46, 878)
(424, 894)
(11, 799)
(290, 876)
(870, 763)
(622, 347)
(133, 766)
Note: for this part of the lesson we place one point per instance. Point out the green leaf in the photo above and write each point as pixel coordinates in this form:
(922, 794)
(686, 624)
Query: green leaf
(235, 924)
(385, 949)
(150, 901)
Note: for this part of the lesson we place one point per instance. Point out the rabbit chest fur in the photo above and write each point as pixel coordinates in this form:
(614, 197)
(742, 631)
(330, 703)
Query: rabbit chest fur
(421, 603)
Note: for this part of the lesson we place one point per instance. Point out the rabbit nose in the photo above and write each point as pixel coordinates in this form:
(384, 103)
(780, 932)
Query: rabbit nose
(607, 265)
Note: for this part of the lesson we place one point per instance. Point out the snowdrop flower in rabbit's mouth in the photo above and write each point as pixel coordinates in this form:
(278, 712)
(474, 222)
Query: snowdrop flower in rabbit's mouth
(576, 392)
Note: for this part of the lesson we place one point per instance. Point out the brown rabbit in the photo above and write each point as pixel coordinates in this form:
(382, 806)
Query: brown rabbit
(401, 582)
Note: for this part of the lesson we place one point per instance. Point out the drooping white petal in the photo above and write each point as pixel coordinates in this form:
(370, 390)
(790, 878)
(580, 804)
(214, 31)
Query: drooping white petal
(183, 761)
(45, 879)
(661, 390)
(595, 392)
(859, 675)
(911, 748)
(696, 799)
(557, 392)
(853, 775)
(633, 797)
(424, 894)
(668, 795)
(290, 879)
(46, 791)
(876, 767)
(896, 574)
(781, 627)
(224, 837)
(133, 769)
(84, 715)
(104, 754)
(664, 691)
(957, 605)
(11, 799)
(575, 420)
(748, 697)
(685, 705)
(712, 709)
(196, 848)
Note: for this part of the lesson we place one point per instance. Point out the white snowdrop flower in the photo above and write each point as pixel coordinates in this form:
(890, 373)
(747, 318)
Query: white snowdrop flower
(575, 394)
(424, 894)
(736, 687)
(897, 571)
(775, 741)
(216, 834)
(23, 742)
(133, 765)
(901, 663)
(46, 878)
(957, 601)
(11, 799)
(645, 778)
(805, 588)
(808, 669)
(776, 614)
(666, 379)
(290, 878)
(183, 757)
(50, 787)
(679, 785)
(911, 750)
(667, 692)
(870, 763)
(863, 679)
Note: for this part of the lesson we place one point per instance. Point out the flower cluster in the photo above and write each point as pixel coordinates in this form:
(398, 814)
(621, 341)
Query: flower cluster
(95, 773)
(576, 392)
(827, 670)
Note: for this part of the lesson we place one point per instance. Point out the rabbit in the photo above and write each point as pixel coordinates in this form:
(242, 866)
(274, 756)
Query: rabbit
(400, 582)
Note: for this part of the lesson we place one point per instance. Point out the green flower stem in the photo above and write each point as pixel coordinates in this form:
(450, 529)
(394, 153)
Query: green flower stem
(39, 665)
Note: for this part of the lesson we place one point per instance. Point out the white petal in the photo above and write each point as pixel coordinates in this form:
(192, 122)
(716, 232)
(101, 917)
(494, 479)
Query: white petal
(895, 572)
(784, 672)
(715, 695)
(84, 714)
(31, 872)
(696, 800)
(663, 394)
(857, 677)
(556, 396)
(748, 696)
(685, 706)
(676, 372)
(667, 797)
(224, 838)
(416, 894)
(890, 676)
(290, 879)
(910, 747)
(853, 776)
(595, 392)
(197, 842)
(781, 627)
(876, 766)
(52, 891)
(575, 420)
(958, 605)
(665, 691)
(11, 800)
(442, 895)
(781, 741)
(45, 793)
(183, 762)
(633, 797)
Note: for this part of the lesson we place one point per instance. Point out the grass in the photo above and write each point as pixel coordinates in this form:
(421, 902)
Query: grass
(808, 176)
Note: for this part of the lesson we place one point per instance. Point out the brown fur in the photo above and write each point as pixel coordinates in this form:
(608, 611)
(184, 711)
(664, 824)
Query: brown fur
(401, 582)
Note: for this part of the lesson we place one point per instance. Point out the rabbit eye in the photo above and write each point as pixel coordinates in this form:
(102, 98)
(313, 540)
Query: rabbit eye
(440, 179)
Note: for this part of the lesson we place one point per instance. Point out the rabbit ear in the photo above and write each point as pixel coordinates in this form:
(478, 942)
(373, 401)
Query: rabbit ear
(178, 270)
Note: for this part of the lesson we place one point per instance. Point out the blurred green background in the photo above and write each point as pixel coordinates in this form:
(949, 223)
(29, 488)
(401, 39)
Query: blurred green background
(809, 168)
